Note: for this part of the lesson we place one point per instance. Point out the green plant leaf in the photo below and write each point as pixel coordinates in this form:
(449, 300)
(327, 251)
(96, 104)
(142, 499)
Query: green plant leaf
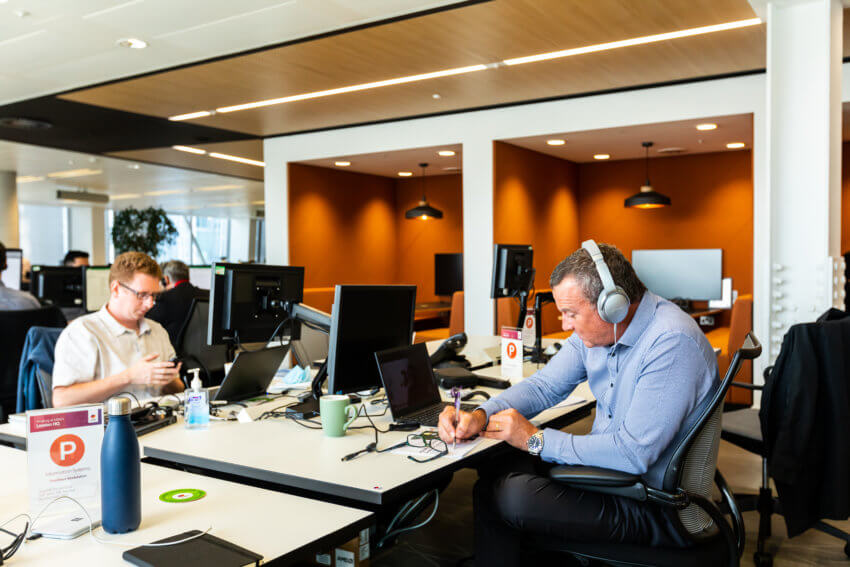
(145, 230)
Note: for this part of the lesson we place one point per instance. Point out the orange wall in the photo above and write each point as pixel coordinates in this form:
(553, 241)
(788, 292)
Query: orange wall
(535, 202)
(712, 207)
(342, 226)
(845, 197)
(349, 227)
(418, 240)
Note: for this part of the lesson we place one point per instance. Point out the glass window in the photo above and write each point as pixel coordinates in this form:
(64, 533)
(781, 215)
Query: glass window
(240, 240)
(181, 248)
(43, 233)
(110, 248)
(211, 236)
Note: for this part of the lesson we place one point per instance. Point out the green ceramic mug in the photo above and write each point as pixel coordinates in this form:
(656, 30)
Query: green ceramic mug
(337, 414)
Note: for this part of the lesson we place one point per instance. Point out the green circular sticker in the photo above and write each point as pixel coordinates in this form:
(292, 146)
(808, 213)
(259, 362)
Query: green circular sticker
(182, 495)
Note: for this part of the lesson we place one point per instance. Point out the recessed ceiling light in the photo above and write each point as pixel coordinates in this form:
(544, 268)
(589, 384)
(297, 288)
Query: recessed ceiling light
(189, 149)
(226, 205)
(342, 163)
(451, 168)
(436, 96)
(707, 126)
(237, 159)
(634, 41)
(446, 153)
(258, 202)
(735, 145)
(165, 192)
(218, 187)
(21, 13)
(29, 178)
(132, 43)
(22, 123)
(133, 166)
(556, 142)
(73, 173)
(124, 196)
(601, 156)
(191, 115)
(405, 173)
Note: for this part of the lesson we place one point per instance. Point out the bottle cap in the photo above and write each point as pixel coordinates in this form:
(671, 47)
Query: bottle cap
(118, 406)
(196, 384)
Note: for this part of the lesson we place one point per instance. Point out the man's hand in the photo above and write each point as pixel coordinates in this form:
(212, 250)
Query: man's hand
(510, 426)
(149, 373)
(469, 424)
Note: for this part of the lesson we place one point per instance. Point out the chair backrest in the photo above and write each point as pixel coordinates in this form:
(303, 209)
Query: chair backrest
(192, 344)
(694, 461)
(14, 326)
(507, 313)
(456, 322)
(45, 386)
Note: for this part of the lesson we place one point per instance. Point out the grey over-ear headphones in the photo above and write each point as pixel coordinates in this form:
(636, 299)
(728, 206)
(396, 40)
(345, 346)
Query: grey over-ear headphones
(613, 303)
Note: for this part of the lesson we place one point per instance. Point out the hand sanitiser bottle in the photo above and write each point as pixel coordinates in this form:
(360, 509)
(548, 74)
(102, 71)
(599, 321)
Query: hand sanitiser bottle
(120, 471)
(197, 404)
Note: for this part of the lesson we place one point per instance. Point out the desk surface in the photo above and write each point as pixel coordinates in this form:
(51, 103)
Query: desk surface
(275, 525)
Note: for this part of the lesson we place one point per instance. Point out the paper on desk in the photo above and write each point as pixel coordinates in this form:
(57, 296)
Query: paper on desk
(462, 448)
(571, 400)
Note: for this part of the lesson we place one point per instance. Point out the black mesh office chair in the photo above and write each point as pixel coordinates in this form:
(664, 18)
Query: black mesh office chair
(192, 345)
(687, 488)
(14, 326)
(744, 429)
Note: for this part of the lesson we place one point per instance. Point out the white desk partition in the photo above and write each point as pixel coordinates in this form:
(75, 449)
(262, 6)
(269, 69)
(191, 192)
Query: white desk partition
(275, 525)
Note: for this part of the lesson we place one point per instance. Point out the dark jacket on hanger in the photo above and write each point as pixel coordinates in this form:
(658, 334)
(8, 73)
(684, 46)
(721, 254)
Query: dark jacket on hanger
(805, 421)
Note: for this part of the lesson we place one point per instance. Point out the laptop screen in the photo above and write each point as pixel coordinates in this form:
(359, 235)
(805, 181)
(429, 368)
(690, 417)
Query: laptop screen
(408, 379)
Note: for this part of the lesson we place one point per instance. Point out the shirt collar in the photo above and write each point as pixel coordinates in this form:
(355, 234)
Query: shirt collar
(116, 328)
(639, 323)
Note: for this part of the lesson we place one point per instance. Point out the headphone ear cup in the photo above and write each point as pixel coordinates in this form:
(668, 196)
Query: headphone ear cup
(613, 306)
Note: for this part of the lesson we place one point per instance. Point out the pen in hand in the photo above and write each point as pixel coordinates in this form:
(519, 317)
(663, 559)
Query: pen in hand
(456, 394)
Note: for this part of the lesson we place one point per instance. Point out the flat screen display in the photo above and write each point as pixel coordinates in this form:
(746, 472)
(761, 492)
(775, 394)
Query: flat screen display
(96, 286)
(693, 274)
(200, 276)
(11, 276)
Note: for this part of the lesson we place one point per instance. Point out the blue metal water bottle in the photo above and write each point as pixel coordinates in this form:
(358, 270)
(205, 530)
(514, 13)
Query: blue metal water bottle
(120, 471)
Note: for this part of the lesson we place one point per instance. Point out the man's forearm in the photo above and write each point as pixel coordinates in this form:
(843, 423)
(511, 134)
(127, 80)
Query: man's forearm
(94, 391)
(174, 386)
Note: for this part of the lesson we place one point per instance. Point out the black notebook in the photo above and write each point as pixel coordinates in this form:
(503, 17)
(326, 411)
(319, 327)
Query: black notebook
(199, 552)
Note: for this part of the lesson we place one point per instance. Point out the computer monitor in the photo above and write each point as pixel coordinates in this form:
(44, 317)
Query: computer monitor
(513, 270)
(693, 274)
(366, 319)
(200, 276)
(11, 276)
(95, 287)
(448, 273)
(60, 286)
(248, 302)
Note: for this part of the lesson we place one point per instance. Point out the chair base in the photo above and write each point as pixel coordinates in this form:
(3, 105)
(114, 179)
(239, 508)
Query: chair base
(709, 554)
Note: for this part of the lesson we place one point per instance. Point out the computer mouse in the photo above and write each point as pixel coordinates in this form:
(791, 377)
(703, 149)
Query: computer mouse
(552, 349)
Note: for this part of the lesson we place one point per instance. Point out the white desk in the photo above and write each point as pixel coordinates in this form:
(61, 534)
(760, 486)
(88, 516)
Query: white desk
(275, 525)
(286, 454)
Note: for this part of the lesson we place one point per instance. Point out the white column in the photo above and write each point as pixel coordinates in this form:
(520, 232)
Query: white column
(804, 50)
(98, 236)
(8, 209)
(277, 208)
(477, 234)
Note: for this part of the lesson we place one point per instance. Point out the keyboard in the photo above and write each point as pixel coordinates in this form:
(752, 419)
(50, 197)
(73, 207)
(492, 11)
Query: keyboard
(431, 415)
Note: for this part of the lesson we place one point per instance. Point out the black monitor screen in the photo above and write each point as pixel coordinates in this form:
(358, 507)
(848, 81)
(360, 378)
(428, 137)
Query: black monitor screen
(408, 379)
(448, 273)
(248, 301)
(60, 286)
(513, 269)
(366, 319)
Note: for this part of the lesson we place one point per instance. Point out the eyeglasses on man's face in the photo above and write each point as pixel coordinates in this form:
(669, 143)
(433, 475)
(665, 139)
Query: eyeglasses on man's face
(141, 295)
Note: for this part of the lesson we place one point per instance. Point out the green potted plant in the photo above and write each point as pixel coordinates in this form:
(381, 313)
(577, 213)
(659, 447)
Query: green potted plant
(144, 230)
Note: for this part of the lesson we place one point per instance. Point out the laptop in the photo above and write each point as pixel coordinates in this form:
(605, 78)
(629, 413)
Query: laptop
(251, 374)
(411, 386)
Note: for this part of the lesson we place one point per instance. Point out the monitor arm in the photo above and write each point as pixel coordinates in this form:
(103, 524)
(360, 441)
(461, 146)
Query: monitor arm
(304, 314)
(540, 299)
(522, 296)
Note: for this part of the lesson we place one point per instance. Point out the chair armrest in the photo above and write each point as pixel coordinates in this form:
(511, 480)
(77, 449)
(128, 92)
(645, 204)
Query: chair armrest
(598, 479)
(748, 386)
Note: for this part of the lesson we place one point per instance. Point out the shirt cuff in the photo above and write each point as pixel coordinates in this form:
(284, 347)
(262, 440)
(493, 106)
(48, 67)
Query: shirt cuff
(492, 406)
(558, 448)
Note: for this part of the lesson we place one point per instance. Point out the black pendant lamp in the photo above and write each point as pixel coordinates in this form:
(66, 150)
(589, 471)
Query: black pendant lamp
(647, 197)
(423, 211)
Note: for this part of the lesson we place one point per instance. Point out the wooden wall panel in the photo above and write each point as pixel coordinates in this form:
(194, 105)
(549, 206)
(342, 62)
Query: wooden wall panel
(845, 197)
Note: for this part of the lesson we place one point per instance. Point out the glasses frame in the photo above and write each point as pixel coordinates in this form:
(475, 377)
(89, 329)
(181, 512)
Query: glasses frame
(141, 295)
(429, 440)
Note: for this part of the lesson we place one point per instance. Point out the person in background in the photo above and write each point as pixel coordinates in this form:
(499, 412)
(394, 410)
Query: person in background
(117, 349)
(172, 308)
(26, 274)
(12, 299)
(75, 259)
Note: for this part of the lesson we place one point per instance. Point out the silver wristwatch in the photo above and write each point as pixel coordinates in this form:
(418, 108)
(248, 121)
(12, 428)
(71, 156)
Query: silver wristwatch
(535, 443)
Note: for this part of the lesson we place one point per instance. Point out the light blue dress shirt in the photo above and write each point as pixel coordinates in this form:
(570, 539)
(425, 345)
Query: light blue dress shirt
(14, 300)
(649, 388)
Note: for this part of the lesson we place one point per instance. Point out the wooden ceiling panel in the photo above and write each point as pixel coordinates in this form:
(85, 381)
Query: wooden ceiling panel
(481, 33)
(251, 149)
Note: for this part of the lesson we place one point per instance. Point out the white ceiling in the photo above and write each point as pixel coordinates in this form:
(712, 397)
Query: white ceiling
(388, 164)
(625, 143)
(118, 178)
(48, 46)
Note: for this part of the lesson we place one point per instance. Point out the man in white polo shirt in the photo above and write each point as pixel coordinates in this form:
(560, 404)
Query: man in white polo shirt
(116, 349)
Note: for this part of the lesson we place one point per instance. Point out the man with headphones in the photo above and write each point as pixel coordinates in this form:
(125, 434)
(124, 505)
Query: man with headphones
(649, 366)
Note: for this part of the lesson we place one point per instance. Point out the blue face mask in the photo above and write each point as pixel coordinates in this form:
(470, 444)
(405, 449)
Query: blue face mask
(296, 376)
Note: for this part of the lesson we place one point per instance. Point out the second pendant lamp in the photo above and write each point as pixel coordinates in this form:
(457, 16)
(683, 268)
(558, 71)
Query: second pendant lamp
(423, 210)
(647, 197)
